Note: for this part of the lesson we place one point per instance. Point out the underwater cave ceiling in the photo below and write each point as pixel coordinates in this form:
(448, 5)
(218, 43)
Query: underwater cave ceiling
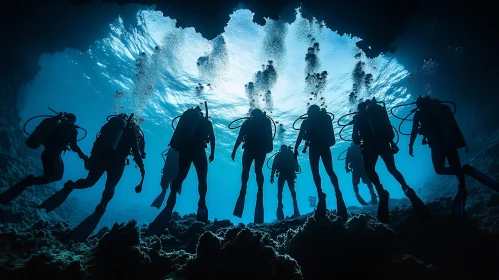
(36, 27)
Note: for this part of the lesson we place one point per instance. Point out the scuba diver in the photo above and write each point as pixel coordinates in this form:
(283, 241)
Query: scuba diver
(317, 130)
(117, 139)
(372, 130)
(57, 134)
(256, 133)
(355, 164)
(435, 121)
(190, 139)
(286, 166)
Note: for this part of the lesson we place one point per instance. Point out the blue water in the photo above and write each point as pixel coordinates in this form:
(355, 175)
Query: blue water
(167, 83)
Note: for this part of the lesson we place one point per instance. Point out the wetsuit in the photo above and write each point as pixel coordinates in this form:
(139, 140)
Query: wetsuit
(112, 163)
(194, 153)
(440, 151)
(372, 148)
(253, 132)
(53, 167)
(354, 163)
(286, 166)
(313, 130)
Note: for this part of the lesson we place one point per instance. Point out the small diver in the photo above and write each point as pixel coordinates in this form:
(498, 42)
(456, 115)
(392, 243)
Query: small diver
(372, 130)
(57, 134)
(436, 123)
(117, 139)
(355, 164)
(285, 166)
(256, 133)
(317, 130)
(187, 146)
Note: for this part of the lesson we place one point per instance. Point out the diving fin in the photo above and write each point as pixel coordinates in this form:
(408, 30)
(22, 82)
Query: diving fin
(239, 208)
(417, 204)
(158, 226)
(320, 212)
(16, 190)
(85, 228)
(258, 219)
(58, 198)
(341, 207)
(459, 204)
(480, 177)
(159, 200)
(202, 214)
(383, 211)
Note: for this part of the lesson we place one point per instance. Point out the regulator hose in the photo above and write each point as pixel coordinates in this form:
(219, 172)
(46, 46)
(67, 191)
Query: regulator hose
(302, 117)
(347, 140)
(270, 159)
(339, 124)
(398, 135)
(84, 130)
(244, 118)
(299, 170)
(35, 117)
(405, 119)
(339, 156)
(173, 126)
(398, 106)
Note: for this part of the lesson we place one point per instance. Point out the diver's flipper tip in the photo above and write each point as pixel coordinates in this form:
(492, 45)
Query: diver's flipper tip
(83, 230)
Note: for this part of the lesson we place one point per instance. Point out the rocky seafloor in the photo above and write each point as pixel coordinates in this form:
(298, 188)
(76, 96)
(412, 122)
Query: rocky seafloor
(33, 245)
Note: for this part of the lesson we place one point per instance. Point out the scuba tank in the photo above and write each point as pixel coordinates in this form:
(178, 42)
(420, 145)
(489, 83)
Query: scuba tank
(42, 131)
(45, 128)
(185, 128)
(447, 125)
(379, 122)
(266, 133)
(323, 124)
(110, 135)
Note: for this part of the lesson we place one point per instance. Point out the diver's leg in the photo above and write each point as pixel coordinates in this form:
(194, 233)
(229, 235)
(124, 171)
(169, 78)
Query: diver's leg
(53, 170)
(259, 162)
(417, 203)
(438, 156)
(455, 166)
(355, 183)
(201, 164)
(291, 185)
(327, 161)
(370, 157)
(314, 157)
(374, 198)
(389, 159)
(246, 161)
(280, 188)
(114, 174)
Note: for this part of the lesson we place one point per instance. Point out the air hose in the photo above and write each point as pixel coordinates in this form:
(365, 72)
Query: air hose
(403, 120)
(173, 121)
(59, 115)
(245, 118)
(398, 106)
(270, 159)
(302, 117)
(341, 137)
(339, 156)
(35, 117)
(339, 124)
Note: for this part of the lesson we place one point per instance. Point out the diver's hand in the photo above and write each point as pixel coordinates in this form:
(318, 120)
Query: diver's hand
(272, 179)
(212, 157)
(138, 189)
(348, 169)
(233, 155)
(411, 151)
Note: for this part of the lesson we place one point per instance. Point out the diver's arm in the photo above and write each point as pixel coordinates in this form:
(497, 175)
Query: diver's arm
(414, 131)
(137, 158)
(300, 137)
(211, 135)
(74, 145)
